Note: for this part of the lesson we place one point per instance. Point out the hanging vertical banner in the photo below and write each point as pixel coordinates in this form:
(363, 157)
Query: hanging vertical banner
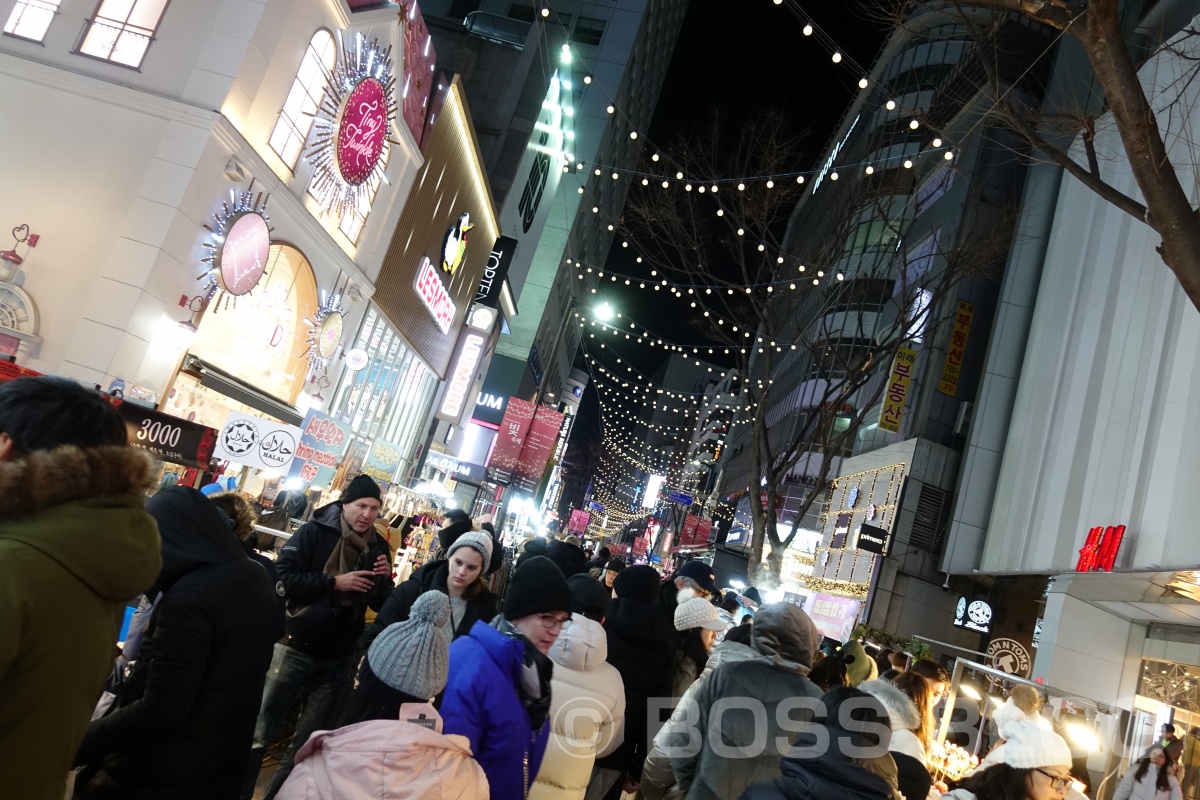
(509, 439)
(957, 349)
(579, 521)
(896, 394)
(382, 462)
(539, 444)
(321, 444)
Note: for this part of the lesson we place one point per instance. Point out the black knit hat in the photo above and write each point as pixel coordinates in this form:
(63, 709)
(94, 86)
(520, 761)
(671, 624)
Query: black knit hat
(591, 597)
(360, 487)
(640, 582)
(537, 587)
(616, 565)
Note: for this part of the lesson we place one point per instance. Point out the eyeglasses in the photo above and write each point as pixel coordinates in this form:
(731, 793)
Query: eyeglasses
(551, 622)
(1057, 782)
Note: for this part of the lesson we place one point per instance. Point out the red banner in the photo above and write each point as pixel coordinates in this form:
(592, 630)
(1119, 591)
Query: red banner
(509, 440)
(696, 531)
(640, 545)
(579, 521)
(10, 371)
(539, 444)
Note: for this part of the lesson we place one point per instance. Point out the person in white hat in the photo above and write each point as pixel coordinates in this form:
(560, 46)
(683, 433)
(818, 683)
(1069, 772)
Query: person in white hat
(697, 622)
(1034, 763)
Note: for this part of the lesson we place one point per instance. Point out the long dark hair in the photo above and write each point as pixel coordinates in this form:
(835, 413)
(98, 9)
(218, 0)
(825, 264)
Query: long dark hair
(689, 646)
(1163, 781)
(998, 782)
(830, 673)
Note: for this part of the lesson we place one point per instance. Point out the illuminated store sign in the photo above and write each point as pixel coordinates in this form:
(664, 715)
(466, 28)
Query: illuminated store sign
(433, 293)
(974, 615)
(454, 246)
(495, 271)
(240, 244)
(462, 378)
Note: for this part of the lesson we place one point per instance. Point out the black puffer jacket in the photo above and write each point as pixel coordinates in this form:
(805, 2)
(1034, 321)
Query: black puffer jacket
(639, 647)
(831, 776)
(432, 576)
(569, 557)
(301, 568)
(187, 714)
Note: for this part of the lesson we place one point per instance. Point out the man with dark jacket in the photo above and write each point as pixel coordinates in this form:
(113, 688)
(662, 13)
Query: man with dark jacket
(75, 545)
(568, 555)
(186, 715)
(331, 570)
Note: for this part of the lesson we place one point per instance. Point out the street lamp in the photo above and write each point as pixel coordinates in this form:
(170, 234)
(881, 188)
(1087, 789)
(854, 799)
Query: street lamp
(604, 312)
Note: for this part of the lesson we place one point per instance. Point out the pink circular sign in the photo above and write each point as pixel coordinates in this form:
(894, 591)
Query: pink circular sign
(244, 254)
(362, 131)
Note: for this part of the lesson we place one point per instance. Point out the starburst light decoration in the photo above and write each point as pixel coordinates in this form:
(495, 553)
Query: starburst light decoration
(325, 330)
(238, 247)
(352, 126)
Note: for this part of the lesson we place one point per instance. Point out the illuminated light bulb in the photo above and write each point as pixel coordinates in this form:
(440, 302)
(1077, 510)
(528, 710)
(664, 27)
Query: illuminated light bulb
(645, 182)
(665, 184)
(833, 176)
(688, 187)
(791, 286)
(615, 176)
(863, 83)
(545, 12)
(913, 125)
(949, 155)
(820, 273)
(841, 277)
(802, 268)
(808, 29)
(579, 165)
(654, 157)
(816, 282)
(937, 142)
(595, 209)
(799, 179)
(779, 260)
(633, 134)
(587, 79)
(580, 190)
(890, 105)
(741, 232)
(837, 58)
(762, 247)
(611, 109)
(678, 176)
(870, 170)
(908, 163)
(566, 168)
(700, 189)
(610, 227)
(741, 187)
(720, 212)
(770, 184)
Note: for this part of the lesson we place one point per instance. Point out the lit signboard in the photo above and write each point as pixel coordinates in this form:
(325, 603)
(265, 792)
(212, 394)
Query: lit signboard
(462, 378)
(434, 295)
(653, 488)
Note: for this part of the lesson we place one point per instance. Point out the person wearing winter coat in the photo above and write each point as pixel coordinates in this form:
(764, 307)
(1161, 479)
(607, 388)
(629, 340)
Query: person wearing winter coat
(1034, 763)
(906, 720)
(1150, 779)
(658, 779)
(76, 544)
(600, 559)
(697, 623)
(639, 646)
(399, 749)
(859, 666)
(331, 570)
(240, 511)
(460, 576)
(185, 717)
(569, 556)
(498, 694)
(835, 761)
(587, 707)
(787, 638)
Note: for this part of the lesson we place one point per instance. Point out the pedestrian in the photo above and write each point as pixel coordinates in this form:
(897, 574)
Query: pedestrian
(860, 666)
(399, 750)
(909, 733)
(697, 622)
(612, 568)
(459, 576)
(534, 546)
(587, 707)
(832, 671)
(639, 646)
(568, 555)
(331, 570)
(240, 511)
(498, 694)
(76, 544)
(455, 523)
(385, 681)
(787, 638)
(693, 579)
(833, 758)
(185, 717)
(934, 674)
(1033, 764)
(1142, 782)
(658, 778)
(1171, 744)
(601, 559)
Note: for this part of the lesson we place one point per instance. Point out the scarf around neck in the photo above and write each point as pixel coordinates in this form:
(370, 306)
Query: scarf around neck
(344, 558)
(537, 669)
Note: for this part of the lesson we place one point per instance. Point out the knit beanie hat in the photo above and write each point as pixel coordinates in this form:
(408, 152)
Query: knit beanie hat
(590, 597)
(698, 613)
(360, 487)
(640, 582)
(478, 541)
(861, 668)
(537, 587)
(1028, 745)
(413, 657)
(616, 565)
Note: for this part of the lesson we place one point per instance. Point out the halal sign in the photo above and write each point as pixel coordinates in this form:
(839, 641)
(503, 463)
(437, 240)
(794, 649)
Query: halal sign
(362, 131)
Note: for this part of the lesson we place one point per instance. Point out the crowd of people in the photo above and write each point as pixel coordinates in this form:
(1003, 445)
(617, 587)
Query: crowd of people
(588, 680)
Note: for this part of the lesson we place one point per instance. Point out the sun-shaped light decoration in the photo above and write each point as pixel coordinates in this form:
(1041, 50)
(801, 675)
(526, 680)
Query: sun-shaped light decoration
(325, 330)
(352, 125)
(239, 247)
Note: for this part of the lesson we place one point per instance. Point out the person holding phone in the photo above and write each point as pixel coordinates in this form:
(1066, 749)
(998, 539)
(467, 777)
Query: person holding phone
(330, 571)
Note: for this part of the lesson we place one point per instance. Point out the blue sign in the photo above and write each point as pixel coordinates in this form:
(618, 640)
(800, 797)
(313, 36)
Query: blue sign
(680, 497)
(535, 365)
(594, 506)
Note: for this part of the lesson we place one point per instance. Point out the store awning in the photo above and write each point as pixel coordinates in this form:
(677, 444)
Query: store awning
(223, 383)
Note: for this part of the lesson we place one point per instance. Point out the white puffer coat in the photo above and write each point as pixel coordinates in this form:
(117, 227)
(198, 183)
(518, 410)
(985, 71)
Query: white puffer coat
(587, 711)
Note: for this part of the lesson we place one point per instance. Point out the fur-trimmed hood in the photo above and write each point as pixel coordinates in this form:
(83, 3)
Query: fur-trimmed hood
(902, 711)
(85, 509)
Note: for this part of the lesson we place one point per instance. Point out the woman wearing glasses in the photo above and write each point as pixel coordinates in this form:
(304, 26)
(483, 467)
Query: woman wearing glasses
(498, 692)
(1151, 779)
(1034, 763)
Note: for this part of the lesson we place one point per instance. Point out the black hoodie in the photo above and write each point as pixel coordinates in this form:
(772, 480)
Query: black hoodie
(186, 717)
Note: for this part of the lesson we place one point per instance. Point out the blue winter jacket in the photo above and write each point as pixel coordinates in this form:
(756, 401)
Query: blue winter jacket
(482, 704)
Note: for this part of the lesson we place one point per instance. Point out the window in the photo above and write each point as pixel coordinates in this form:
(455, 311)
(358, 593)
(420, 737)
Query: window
(588, 31)
(30, 19)
(296, 118)
(121, 30)
(355, 219)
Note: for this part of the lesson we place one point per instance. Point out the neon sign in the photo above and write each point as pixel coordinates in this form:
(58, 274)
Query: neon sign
(362, 131)
(463, 377)
(828, 165)
(431, 291)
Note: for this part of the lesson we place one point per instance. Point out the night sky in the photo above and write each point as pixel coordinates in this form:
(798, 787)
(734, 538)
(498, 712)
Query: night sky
(740, 57)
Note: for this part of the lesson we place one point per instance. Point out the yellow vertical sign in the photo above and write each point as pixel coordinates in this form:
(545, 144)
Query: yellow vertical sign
(896, 394)
(958, 348)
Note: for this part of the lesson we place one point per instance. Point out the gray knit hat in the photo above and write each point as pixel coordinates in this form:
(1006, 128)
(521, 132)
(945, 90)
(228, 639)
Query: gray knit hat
(413, 657)
(478, 541)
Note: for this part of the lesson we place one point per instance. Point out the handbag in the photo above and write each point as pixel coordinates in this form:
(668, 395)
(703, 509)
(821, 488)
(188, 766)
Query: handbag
(307, 623)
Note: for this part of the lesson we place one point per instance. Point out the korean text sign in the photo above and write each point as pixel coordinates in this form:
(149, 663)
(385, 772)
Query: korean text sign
(896, 394)
(322, 442)
(956, 352)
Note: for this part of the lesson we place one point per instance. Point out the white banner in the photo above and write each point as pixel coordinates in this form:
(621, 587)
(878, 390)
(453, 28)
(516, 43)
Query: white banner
(257, 442)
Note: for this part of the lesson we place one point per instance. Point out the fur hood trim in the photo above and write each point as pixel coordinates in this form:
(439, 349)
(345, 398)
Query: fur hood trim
(49, 478)
(239, 509)
(902, 712)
